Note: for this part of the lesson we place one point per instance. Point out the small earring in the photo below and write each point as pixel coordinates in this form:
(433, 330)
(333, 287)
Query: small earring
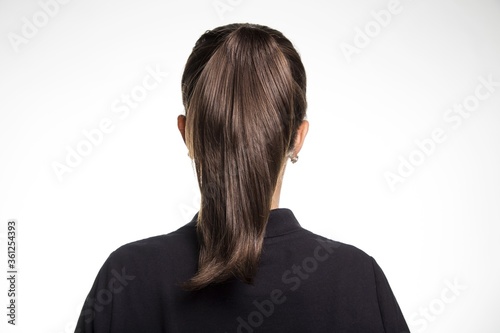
(294, 159)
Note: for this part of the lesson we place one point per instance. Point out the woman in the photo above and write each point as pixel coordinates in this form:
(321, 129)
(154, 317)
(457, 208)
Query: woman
(242, 264)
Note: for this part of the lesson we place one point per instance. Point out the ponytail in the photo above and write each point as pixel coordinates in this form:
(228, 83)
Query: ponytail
(244, 94)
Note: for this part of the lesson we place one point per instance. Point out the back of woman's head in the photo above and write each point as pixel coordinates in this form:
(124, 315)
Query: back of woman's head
(244, 89)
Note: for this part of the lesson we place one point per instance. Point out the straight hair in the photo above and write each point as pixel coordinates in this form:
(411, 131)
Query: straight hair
(244, 93)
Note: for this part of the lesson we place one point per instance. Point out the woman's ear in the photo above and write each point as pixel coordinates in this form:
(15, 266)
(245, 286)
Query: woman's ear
(301, 136)
(181, 125)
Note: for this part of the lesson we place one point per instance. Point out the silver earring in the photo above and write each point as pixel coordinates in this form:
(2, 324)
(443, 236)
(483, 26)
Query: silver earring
(294, 159)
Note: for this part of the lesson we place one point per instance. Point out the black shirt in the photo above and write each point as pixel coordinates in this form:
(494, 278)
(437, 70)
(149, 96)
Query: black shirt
(305, 283)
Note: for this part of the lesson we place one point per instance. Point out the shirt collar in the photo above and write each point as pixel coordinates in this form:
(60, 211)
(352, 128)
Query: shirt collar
(281, 221)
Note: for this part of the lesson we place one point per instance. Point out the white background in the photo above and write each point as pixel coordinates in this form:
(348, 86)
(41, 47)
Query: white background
(438, 227)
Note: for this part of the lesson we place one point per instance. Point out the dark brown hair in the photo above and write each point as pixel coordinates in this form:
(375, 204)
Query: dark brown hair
(244, 92)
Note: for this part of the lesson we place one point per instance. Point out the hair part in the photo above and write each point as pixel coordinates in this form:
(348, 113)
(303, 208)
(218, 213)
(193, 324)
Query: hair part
(243, 90)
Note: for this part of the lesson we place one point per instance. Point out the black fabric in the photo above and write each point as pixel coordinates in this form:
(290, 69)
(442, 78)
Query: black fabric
(305, 283)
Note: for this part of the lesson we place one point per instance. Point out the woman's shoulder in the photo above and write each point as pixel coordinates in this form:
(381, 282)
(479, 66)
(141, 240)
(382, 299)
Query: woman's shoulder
(340, 250)
(285, 231)
(159, 247)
